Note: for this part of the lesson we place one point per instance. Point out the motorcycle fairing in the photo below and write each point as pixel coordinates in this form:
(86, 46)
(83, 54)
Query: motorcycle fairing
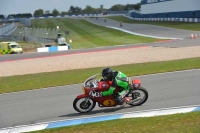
(107, 101)
(136, 83)
(82, 96)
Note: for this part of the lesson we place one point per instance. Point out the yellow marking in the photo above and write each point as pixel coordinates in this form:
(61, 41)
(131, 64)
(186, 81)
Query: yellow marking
(109, 103)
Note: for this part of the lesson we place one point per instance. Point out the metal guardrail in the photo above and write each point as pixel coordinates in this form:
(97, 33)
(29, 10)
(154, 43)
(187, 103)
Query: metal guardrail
(25, 21)
(193, 20)
(7, 29)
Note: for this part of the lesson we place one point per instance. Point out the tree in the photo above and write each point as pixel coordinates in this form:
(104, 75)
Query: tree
(133, 6)
(117, 7)
(88, 9)
(64, 13)
(78, 10)
(47, 12)
(55, 12)
(72, 10)
(99, 10)
(2, 17)
(38, 12)
(138, 6)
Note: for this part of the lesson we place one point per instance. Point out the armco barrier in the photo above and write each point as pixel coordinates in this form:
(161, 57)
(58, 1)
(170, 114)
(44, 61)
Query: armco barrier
(7, 29)
(55, 124)
(53, 49)
(195, 20)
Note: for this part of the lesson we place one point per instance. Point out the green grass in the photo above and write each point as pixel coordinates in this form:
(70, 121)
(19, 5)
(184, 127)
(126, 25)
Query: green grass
(42, 80)
(87, 35)
(178, 123)
(174, 24)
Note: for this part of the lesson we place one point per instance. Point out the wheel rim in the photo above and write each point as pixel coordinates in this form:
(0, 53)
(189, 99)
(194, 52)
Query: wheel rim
(137, 94)
(82, 106)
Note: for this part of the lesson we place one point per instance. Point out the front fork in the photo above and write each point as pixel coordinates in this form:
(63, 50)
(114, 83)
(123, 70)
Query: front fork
(86, 101)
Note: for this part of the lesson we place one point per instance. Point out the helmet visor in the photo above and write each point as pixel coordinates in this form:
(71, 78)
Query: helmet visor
(105, 76)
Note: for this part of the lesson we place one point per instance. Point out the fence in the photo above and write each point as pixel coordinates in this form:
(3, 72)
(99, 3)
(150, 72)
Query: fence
(27, 39)
(37, 35)
(194, 20)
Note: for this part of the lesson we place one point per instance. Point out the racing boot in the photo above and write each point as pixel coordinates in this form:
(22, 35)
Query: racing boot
(127, 100)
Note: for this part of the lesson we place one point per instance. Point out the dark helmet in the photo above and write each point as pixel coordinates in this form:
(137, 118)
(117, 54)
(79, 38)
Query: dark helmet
(107, 74)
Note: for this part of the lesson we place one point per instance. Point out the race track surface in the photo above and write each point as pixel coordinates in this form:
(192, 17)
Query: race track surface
(50, 104)
(146, 29)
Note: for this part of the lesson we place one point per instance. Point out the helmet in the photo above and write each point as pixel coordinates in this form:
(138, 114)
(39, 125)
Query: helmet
(107, 74)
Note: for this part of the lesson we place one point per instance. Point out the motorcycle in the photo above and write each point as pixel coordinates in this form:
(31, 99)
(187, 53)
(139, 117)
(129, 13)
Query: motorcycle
(86, 102)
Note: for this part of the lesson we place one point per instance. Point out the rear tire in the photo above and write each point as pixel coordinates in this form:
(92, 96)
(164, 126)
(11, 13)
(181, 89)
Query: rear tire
(80, 106)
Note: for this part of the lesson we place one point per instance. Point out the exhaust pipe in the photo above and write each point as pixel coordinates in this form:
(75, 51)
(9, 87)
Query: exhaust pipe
(135, 100)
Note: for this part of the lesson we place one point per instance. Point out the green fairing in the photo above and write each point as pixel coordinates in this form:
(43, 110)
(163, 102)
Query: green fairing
(122, 84)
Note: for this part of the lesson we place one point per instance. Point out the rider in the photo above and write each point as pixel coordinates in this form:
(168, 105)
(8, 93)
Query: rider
(121, 23)
(118, 79)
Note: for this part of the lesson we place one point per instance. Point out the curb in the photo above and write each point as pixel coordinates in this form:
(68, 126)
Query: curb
(69, 122)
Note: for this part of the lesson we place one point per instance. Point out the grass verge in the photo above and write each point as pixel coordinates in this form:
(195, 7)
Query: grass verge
(174, 24)
(43, 80)
(177, 123)
(87, 35)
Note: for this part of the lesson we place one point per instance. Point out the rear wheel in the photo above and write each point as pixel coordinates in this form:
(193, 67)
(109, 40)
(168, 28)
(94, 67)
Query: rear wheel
(83, 105)
(139, 96)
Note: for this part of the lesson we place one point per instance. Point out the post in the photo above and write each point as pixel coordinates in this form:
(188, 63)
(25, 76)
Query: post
(20, 35)
(25, 33)
(46, 37)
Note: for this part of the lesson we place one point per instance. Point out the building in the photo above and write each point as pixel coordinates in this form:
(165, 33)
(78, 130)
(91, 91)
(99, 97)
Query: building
(168, 9)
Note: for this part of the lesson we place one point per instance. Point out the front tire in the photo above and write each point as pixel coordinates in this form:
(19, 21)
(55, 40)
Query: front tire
(139, 93)
(81, 106)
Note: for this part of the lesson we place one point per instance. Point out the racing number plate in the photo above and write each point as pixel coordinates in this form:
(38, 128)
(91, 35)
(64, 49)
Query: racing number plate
(109, 103)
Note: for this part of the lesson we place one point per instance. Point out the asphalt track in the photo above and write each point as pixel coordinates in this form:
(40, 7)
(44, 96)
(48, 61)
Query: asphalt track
(142, 29)
(146, 29)
(44, 105)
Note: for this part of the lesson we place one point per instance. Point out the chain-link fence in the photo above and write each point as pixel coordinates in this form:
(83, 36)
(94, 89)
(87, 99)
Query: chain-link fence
(36, 35)
(27, 39)
(10, 32)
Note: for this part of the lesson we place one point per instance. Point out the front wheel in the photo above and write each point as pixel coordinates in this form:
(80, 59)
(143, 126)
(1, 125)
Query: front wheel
(139, 96)
(83, 105)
